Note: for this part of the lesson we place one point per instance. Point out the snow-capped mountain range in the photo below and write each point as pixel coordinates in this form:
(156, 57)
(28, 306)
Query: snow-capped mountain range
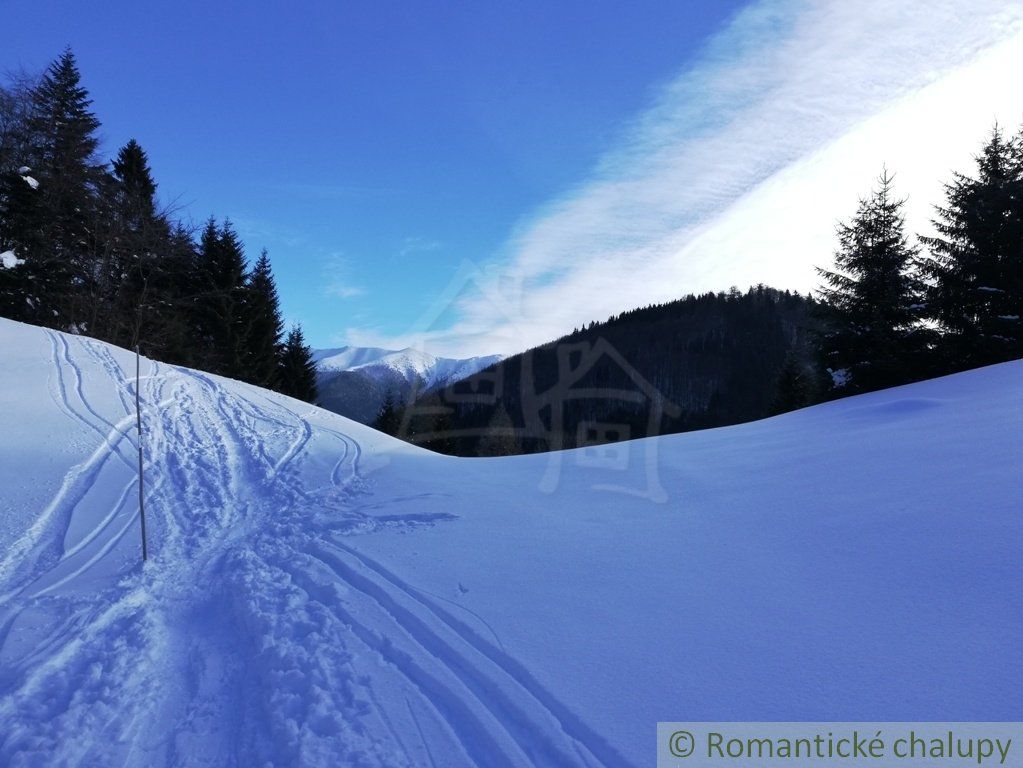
(433, 372)
(354, 381)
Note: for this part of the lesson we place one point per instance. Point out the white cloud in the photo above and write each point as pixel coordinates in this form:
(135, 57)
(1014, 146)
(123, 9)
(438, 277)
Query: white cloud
(740, 169)
(342, 291)
(414, 245)
(338, 283)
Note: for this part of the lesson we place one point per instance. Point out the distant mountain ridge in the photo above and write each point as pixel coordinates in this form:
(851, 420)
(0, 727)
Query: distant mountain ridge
(354, 381)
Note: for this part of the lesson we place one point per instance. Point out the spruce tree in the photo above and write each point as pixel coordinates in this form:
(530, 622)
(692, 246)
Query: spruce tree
(264, 325)
(389, 418)
(61, 251)
(19, 199)
(871, 301)
(220, 303)
(500, 436)
(976, 260)
(795, 387)
(179, 295)
(26, 289)
(297, 376)
(135, 280)
(441, 433)
(15, 111)
(136, 188)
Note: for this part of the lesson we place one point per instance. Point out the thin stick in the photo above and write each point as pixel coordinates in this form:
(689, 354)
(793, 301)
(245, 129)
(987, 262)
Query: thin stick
(138, 422)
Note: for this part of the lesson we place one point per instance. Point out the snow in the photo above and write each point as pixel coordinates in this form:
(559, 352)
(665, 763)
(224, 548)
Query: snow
(409, 363)
(840, 377)
(9, 260)
(319, 594)
(346, 358)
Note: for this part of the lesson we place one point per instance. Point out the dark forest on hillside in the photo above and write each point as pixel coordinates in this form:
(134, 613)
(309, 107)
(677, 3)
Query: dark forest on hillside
(88, 249)
(697, 362)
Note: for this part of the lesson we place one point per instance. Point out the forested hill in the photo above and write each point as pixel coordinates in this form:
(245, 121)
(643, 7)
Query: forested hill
(86, 247)
(701, 361)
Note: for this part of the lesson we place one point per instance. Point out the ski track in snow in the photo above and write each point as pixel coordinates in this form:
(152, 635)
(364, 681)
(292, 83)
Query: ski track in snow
(280, 643)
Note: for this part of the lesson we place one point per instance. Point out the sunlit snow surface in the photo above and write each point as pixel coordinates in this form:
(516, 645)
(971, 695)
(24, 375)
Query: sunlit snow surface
(320, 595)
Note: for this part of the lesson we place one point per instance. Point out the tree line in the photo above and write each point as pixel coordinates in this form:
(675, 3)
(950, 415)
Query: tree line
(697, 362)
(897, 312)
(87, 249)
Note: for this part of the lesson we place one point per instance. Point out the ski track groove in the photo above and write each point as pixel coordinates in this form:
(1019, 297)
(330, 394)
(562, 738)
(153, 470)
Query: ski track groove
(569, 722)
(419, 730)
(75, 486)
(102, 355)
(385, 718)
(59, 350)
(65, 352)
(489, 681)
(476, 735)
(221, 498)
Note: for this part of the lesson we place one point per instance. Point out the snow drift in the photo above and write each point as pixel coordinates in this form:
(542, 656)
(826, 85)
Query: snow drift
(319, 594)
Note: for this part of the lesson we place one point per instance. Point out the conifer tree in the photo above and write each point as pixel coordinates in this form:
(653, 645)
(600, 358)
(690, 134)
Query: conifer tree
(976, 260)
(178, 293)
(440, 434)
(221, 311)
(136, 189)
(264, 327)
(795, 387)
(389, 418)
(15, 110)
(135, 280)
(24, 288)
(871, 301)
(61, 249)
(499, 438)
(297, 376)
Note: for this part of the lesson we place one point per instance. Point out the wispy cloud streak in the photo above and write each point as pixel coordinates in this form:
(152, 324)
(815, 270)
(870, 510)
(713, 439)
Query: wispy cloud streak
(796, 105)
(337, 277)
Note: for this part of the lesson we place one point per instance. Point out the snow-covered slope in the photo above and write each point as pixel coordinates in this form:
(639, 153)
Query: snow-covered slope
(409, 363)
(318, 594)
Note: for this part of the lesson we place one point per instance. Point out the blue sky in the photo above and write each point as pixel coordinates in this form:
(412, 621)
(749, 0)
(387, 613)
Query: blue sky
(480, 177)
(371, 147)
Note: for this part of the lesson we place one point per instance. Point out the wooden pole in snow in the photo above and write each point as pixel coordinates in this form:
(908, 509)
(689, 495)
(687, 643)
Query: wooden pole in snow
(138, 423)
